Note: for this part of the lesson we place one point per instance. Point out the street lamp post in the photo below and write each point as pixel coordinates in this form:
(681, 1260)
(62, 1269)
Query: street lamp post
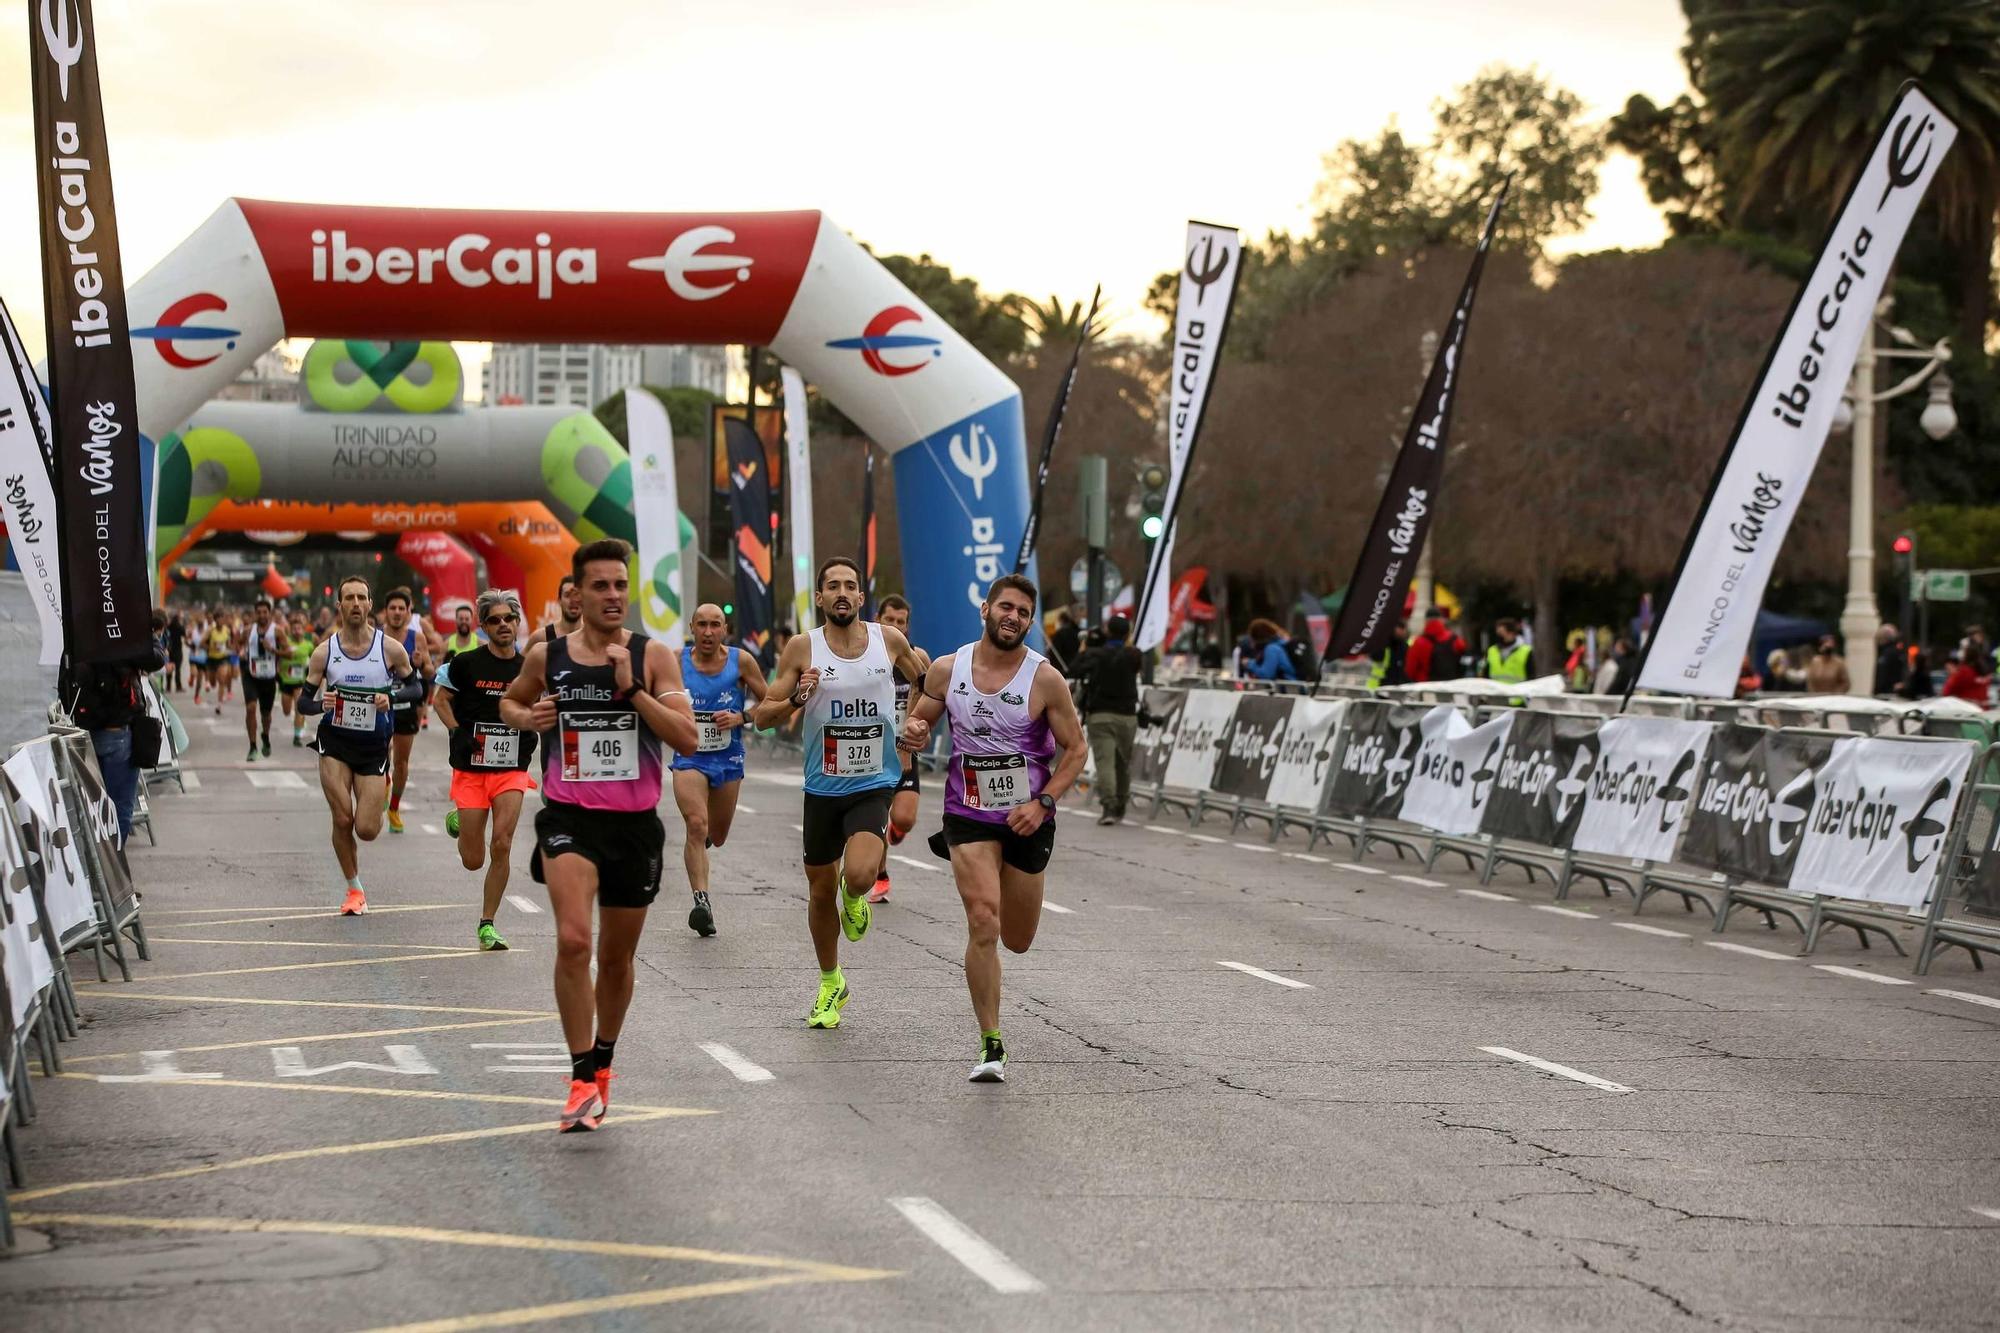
(1859, 618)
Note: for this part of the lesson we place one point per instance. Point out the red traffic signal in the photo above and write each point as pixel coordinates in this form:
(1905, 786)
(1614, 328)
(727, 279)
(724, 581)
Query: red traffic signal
(1905, 543)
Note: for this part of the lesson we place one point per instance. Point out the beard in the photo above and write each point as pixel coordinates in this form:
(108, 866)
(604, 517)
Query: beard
(841, 618)
(999, 638)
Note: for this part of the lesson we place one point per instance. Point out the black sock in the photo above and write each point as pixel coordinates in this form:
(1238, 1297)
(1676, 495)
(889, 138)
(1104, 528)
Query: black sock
(485, 920)
(583, 1065)
(602, 1052)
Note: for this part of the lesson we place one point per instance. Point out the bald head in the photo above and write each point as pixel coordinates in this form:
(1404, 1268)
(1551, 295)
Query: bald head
(708, 627)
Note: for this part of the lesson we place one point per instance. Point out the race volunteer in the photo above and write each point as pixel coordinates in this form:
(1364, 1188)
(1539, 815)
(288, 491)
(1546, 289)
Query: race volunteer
(894, 612)
(260, 645)
(489, 759)
(1010, 711)
(415, 642)
(842, 678)
(613, 698)
(721, 680)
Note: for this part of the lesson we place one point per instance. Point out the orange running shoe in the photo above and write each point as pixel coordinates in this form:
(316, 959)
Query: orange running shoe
(880, 893)
(355, 904)
(584, 1108)
(604, 1077)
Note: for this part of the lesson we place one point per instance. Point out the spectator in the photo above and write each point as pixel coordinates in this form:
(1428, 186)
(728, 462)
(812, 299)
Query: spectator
(1826, 671)
(1109, 674)
(1780, 675)
(1391, 667)
(1964, 681)
(1436, 653)
(1066, 640)
(1266, 658)
(1577, 675)
(1747, 680)
(104, 701)
(1209, 656)
(1508, 658)
(1614, 673)
(1976, 651)
(176, 650)
(1917, 682)
(1892, 660)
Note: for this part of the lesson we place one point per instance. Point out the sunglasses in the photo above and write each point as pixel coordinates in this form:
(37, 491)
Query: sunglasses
(505, 618)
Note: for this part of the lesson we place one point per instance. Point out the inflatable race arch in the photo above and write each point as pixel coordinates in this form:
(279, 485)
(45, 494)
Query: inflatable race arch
(256, 272)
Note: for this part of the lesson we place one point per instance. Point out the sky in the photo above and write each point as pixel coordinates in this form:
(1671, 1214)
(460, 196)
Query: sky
(1040, 146)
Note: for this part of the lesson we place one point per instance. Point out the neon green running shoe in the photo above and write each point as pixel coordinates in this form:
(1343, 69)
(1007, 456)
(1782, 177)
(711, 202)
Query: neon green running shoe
(855, 914)
(489, 939)
(832, 999)
(451, 822)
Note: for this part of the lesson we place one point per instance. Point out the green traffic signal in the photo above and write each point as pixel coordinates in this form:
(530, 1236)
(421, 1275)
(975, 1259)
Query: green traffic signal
(729, 608)
(1151, 526)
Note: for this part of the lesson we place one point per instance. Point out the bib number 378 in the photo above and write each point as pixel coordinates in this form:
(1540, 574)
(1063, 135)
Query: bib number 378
(852, 751)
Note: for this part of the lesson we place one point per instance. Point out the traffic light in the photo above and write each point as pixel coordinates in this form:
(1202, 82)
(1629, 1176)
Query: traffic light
(1152, 500)
(1906, 542)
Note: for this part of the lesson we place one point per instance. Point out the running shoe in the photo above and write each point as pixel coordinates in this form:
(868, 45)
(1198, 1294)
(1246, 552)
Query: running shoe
(701, 920)
(267, 745)
(298, 739)
(451, 822)
(489, 939)
(584, 1109)
(250, 756)
(832, 999)
(395, 820)
(854, 913)
(604, 1077)
(880, 893)
(355, 904)
(992, 1066)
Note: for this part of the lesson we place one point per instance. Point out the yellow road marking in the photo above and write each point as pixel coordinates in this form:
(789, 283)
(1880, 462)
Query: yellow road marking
(631, 1300)
(293, 967)
(640, 1116)
(287, 907)
(329, 914)
(358, 1090)
(319, 1004)
(304, 1037)
(497, 1240)
(310, 944)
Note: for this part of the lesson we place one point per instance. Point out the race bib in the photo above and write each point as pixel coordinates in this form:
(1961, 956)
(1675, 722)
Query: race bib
(354, 712)
(264, 668)
(902, 706)
(712, 737)
(996, 781)
(495, 746)
(852, 751)
(600, 747)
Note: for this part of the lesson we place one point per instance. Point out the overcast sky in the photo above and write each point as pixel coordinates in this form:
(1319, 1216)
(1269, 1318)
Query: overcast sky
(1038, 145)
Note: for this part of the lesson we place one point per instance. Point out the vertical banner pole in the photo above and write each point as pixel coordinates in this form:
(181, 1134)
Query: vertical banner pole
(867, 553)
(1032, 532)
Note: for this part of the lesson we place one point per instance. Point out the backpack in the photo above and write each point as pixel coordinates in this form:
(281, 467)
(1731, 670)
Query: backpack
(1304, 663)
(1447, 658)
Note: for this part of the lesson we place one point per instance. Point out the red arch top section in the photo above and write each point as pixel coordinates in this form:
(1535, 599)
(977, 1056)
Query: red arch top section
(531, 276)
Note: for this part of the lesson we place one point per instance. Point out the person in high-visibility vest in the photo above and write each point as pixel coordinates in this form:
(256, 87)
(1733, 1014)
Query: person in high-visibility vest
(1388, 666)
(1507, 660)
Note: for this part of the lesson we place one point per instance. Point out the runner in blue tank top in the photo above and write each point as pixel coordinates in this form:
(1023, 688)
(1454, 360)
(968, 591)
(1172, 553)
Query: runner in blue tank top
(722, 682)
(1010, 712)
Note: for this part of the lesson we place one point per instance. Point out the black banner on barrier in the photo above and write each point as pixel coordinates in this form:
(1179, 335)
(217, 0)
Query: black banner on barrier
(1542, 778)
(1155, 745)
(106, 590)
(1753, 803)
(94, 816)
(1377, 753)
(1250, 746)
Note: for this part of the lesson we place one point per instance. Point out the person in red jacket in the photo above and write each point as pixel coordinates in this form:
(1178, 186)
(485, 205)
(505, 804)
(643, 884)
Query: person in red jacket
(1435, 654)
(1965, 682)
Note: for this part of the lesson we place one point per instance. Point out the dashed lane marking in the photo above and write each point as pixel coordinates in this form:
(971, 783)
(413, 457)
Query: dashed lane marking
(1057, 908)
(524, 903)
(743, 809)
(1309, 858)
(190, 780)
(304, 1037)
(431, 829)
(1489, 896)
(913, 863)
(1252, 847)
(1993, 1213)
(1858, 975)
(1163, 828)
(1207, 837)
(746, 1071)
(1968, 997)
(962, 1243)
(1560, 1071)
(798, 828)
(553, 1055)
(95, 986)
(1753, 952)
(1651, 930)
(278, 779)
(1420, 881)
(1262, 975)
(1359, 870)
(1564, 911)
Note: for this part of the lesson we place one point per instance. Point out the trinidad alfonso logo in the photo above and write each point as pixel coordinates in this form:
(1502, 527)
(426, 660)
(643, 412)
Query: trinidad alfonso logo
(880, 336)
(174, 328)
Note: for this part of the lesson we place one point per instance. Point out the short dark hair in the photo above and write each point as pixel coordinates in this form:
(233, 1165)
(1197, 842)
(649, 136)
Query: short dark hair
(564, 582)
(264, 602)
(1118, 627)
(834, 561)
(604, 548)
(341, 590)
(398, 594)
(891, 602)
(1020, 583)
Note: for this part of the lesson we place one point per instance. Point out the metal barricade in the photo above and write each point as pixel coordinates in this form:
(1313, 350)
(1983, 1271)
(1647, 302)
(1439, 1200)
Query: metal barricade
(1971, 884)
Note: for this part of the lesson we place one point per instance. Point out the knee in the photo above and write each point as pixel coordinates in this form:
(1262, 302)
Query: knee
(573, 947)
(982, 925)
(697, 828)
(500, 849)
(368, 831)
(1018, 941)
(470, 856)
(343, 822)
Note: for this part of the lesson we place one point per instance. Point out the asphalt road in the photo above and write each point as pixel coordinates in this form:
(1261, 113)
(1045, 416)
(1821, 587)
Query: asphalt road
(1181, 1143)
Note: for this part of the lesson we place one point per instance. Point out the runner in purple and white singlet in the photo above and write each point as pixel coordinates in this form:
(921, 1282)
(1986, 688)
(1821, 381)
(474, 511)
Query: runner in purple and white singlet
(1010, 713)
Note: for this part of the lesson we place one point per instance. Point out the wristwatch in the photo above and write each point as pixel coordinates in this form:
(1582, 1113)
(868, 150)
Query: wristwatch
(1048, 802)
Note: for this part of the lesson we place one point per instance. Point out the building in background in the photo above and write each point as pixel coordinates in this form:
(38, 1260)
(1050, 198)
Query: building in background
(701, 367)
(554, 374)
(271, 378)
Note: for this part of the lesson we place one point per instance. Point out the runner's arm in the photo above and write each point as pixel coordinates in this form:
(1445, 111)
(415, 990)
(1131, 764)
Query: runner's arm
(309, 700)
(406, 686)
(777, 705)
(664, 703)
(927, 706)
(751, 674)
(441, 698)
(523, 707)
(912, 662)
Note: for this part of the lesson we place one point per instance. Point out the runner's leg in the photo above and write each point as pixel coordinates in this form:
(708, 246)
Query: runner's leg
(691, 797)
(250, 718)
(617, 944)
(500, 858)
(823, 914)
(472, 842)
(368, 806)
(336, 781)
(572, 884)
(976, 867)
(722, 811)
(399, 767)
(1020, 908)
(863, 859)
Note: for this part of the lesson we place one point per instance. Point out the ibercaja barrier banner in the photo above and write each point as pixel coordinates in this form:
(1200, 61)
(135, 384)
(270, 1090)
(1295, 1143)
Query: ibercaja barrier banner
(93, 816)
(1880, 826)
(1455, 768)
(1754, 801)
(1641, 787)
(1250, 746)
(1304, 769)
(1542, 779)
(42, 824)
(1205, 715)
(1160, 723)
(25, 941)
(1733, 543)
(99, 481)
(1378, 746)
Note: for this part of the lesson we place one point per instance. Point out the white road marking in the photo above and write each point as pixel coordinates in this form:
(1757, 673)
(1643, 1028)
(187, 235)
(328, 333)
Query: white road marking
(782, 779)
(1309, 857)
(1419, 881)
(1564, 911)
(290, 1062)
(553, 1054)
(1057, 908)
(1252, 847)
(1126, 907)
(744, 1070)
(1163, 828)
(1993, 1213)
(1359, 870)
(432, 829)
(1262, 975)
(1651, 930)
(798, 828)
(159, 1067)
(967, 1246)
(1968, 997)
(1206, 837)
(524, 903)
(1560, 1071)
(1753, 952)
(275, 778)
(517, 1046)
(744, 809)
(1487, 894)
(913, 862)
(191, 780)
(1859, 975)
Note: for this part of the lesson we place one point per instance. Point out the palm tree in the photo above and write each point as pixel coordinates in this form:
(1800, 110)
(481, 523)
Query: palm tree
(1799, 89)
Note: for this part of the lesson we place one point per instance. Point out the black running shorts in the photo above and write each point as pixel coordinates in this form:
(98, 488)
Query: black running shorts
(1029, 855)
(908, 782)
(626, 846)
(265, 692)
(831, 820)
(407, 721)
(366, 756)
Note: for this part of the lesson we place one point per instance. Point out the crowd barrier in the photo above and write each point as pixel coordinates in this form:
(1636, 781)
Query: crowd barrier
(1868, 818)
